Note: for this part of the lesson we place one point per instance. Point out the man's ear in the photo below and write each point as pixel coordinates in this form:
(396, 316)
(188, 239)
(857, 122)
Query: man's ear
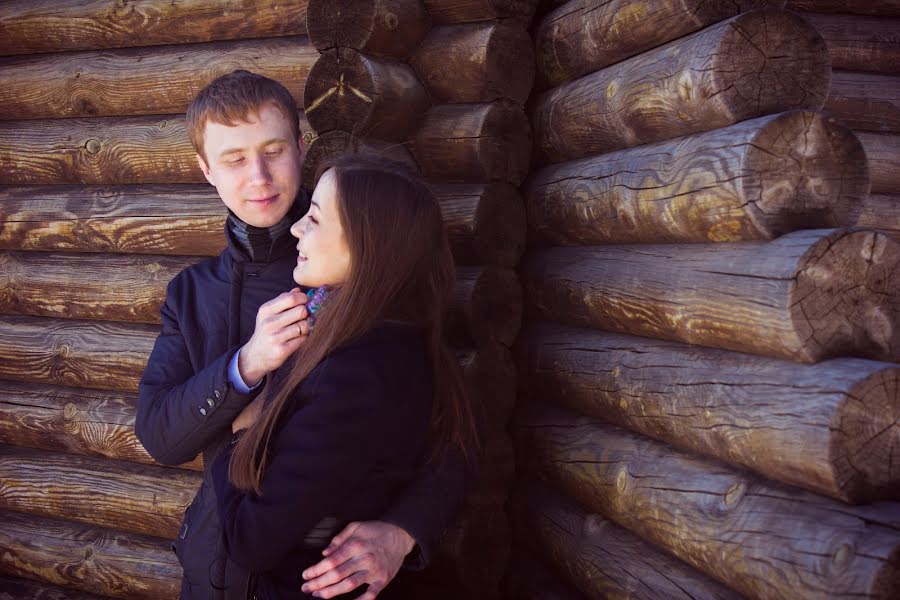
(301, 146)
(205, 169)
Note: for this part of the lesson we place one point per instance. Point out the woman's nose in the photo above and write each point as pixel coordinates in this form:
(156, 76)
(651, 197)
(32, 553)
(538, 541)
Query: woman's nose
(297, 229)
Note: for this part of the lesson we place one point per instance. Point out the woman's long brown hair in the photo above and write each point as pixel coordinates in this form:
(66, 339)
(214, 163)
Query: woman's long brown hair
(401, 269)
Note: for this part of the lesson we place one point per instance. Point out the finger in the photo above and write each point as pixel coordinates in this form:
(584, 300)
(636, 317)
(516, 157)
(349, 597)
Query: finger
(339, 573)
(342, 587)
(345, 534)
(372, 592)
(327, 564)
(285, 320)
(283, 302)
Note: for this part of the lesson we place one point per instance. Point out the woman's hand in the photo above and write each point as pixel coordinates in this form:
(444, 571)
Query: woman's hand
(248, 416)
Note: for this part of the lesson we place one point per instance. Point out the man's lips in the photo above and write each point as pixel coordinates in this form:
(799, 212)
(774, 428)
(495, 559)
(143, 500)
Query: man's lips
(266, 200)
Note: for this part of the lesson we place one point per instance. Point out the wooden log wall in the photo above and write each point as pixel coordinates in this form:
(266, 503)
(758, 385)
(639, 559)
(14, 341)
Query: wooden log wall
(708, 373)
(102, 204)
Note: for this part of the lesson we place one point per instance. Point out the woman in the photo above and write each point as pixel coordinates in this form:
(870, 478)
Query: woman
(343, 425)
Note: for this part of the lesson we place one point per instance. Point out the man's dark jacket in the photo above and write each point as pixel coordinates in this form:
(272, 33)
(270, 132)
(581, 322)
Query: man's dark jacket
(186, 405)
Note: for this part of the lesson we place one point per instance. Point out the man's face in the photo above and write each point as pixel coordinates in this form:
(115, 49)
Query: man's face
(255, 165)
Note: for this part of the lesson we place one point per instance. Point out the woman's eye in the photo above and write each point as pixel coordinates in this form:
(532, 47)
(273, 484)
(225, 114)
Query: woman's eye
(313, 220)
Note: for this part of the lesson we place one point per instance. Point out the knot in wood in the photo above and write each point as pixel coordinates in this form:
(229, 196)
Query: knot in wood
(593, 525)
(842, 555)
(391, 21)
(92, 146)
(88, 553)
(69, 411)
(735, 493)
(63, 350)
(622, 480)
(308, 137)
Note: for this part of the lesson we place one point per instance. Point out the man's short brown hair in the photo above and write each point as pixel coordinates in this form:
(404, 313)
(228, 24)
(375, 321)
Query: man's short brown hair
(231, 99)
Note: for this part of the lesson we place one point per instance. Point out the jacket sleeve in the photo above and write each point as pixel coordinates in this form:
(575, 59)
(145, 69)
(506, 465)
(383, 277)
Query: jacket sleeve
(322, 452)
(180, 412)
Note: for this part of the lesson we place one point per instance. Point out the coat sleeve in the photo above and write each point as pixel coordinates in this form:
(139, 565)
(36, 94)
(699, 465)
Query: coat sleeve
(323, 451)
(179, 411)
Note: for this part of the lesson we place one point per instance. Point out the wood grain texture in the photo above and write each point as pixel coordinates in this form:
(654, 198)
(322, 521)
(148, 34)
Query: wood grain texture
(82, 354)
(468, 11)
(96, 491)
(490, 376)
(89, 559)
(485, 222)
(476, 62)
(881, 212)
(486, 306)
(883, 152)
(32, 26)
(832, 427)
(376, 27)
(860, 43)
(528, 578)
(337, 142)
(600, 558)
(807, 296)
(142, 81)
(582, 36)
(101, 150)
(761, 539)
(887, 8)
(760, 62)
(139, 219)
(96, 423)
(473, 143)
(12, 588)
(363, 95)
(474, 550)
(868, 101)
(754, 180)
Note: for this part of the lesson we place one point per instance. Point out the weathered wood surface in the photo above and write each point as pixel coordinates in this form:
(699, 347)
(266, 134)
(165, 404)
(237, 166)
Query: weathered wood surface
(886, 8)
(22, 589)
(883, 152)
(859, 43)
(96, 423)
(807, 296)
(136, 219)
(142, 81)
(881, 212)
(760, 62)
(485, 222)
(32, 26)
(602, 559)
(474, 143)
(528, 578)
(754, 180)
(467, 11)
(89, 559)
(832, 427)
(335, 142)
(73, 353)
(477, 62)
(490, 375)
(869, 101)
(363, 95)
(486, 306)
(101, 150)
(377, 27)
(96, 491)
(761, 539)
(474, 550)
(122, 287)
(582, 36)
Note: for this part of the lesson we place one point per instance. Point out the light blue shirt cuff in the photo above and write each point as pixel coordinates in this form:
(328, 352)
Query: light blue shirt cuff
(234, 376)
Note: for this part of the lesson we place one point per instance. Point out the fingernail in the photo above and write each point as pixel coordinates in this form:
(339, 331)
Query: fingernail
(305, 589)
(305, 574)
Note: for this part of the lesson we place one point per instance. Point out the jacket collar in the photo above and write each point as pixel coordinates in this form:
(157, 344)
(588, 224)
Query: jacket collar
(264, 245)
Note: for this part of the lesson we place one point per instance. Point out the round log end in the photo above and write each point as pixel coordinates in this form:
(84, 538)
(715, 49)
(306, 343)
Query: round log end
(496, 306)
(384, 29)
(866, 445)
(338, 142)
(500, 224)
(770, 61)
(845, 301)
(804, 170)
(490, 373)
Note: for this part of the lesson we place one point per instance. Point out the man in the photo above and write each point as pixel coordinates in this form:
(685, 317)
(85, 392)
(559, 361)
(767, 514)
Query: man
(230, 321)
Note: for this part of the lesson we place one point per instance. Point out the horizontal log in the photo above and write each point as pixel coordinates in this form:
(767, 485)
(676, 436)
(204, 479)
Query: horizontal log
(807, 296)
(755, 180)
(830, 427)
(881, 212)
(377, 27)
(760, 62)
(485, 222)
(761, 539)
(468, 11)
(101, 150)
(89, 559)
(528, 578)
(476, 62)
(602, 559)
(858, 43)
(883, 152)
(582, 36)
(336, 142)
(95, 423)
(96, 491)
(363, 95)
(869, 101)
(887, 8)
(125, 219)
(73, 353)
(31, 26)
(473, 143)
(490, 374)
(128, 82)
(12, 588)
(486, 306)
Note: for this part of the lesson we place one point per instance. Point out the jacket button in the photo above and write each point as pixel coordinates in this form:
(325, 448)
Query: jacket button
(210, 402)
(217, 393)
(202, 411)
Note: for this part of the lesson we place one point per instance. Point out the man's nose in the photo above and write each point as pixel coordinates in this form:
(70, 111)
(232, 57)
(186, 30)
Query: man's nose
(260, 172)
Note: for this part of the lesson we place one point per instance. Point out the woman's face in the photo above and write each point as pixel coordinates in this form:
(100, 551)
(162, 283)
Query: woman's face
(324, 256)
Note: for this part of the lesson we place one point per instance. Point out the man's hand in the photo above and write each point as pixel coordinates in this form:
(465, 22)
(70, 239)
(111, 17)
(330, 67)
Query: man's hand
(370, 552)
(280, 329)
